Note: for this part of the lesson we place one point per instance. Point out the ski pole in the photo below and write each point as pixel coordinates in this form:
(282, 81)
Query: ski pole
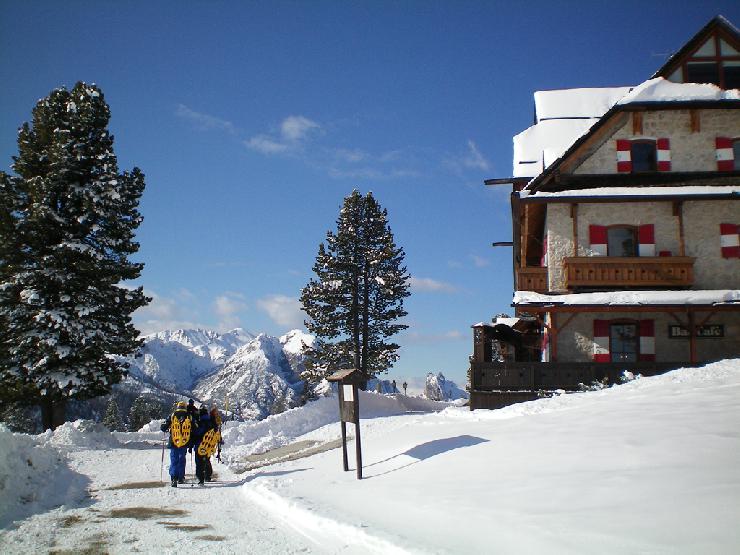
(161, 466)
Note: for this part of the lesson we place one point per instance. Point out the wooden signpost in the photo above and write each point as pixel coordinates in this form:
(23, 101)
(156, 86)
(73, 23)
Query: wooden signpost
(349, 411)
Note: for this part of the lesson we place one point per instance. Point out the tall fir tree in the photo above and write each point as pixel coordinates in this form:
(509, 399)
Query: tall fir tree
(143, 410)
(113, 419)
(356, 300)
(67, 226)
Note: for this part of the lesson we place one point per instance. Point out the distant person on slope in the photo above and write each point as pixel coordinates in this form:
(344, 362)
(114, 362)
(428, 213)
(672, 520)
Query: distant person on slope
(206, 439)
(180, 426)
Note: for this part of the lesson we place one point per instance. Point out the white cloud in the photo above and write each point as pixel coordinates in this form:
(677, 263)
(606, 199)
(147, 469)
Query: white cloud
(350, 155)
(164, 313)
(479, 261)
(296, 128)
(293, 131)
(204, 121)
(475, 159)
(284, 311)
(430, 285)
(265, 145)
(227, 307)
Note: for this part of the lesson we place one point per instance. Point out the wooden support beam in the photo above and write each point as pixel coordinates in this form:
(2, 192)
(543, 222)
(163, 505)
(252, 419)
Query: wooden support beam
(525, 236)
(692, 339)
(678, 212)
(568, 320)
(553, 339)
(695, 120)
(637, 123)
(574, 217)
(705, 320)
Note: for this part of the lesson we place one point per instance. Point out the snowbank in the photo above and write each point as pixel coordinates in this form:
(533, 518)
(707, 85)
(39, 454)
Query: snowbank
(649, 466)
(80, 434)
(33, 477)
(247, 438)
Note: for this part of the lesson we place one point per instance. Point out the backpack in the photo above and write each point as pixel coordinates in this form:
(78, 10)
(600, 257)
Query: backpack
(181, 424)
(209, 442)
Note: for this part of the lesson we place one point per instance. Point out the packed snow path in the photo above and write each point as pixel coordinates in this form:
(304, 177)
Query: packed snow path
(130, 510)
(650, 466)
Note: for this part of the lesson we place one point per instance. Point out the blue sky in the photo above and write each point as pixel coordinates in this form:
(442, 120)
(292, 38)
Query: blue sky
(253, 120)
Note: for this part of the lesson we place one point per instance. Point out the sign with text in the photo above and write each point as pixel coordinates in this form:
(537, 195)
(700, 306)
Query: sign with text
(702, 332)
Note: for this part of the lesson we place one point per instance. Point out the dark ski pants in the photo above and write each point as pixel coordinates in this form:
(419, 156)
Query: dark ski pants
(203, 468)
(178, 456)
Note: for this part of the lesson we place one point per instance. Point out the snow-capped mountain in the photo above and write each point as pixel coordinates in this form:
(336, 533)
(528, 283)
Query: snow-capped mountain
(259, 379)
(179, 359)
(438, 388)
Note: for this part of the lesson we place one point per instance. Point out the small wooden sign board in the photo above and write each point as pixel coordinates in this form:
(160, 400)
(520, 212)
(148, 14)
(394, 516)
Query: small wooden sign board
(349, 410)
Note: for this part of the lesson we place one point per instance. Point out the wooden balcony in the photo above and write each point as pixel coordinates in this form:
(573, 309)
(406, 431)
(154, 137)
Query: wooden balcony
(612, 271)
(532, 279)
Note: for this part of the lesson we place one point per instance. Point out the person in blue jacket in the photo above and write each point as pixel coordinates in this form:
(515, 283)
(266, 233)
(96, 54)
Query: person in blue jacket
(180, 427)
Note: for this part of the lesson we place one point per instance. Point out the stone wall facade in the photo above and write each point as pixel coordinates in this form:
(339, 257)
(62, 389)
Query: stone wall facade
(575, 340)
(690, 150)
(701, 235)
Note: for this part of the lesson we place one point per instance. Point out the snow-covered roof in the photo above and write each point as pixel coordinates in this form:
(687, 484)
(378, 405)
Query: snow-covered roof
(637, 191)
(506, 321)
(576, 103)
(562, 117)
(662, 90)
(547, 141)
(632, 298)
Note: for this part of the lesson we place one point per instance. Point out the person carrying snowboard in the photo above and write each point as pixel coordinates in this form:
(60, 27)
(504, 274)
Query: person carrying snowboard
(180, 428)
(207, 437)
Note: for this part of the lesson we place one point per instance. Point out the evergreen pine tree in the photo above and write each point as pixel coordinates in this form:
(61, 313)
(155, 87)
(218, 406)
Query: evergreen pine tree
(144, 410)
(356, 300)
(113, 419)
(67, 223)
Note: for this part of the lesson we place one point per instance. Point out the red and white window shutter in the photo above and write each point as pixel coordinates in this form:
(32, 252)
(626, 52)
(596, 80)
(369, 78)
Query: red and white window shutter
(646, 240)
(597, 237)
(729, 240)
(663, 154)
(601, 341)
(647, 340)
(725, 154)
(624, 155)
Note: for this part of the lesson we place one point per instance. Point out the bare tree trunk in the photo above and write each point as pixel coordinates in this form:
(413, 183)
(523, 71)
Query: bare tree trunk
(52, 412)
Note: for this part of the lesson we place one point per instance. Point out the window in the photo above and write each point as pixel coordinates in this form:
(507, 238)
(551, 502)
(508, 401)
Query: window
(736, 154)
(717, 61)
(621, 241)
(702, 72)
(623, 342)
(644, 156)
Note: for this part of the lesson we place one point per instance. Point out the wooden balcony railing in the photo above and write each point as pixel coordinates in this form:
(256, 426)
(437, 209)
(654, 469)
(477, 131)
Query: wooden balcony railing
(644, 271)
(532, 279)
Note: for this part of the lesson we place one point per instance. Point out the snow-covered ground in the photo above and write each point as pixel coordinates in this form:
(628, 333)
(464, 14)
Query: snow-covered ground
(650, 466)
